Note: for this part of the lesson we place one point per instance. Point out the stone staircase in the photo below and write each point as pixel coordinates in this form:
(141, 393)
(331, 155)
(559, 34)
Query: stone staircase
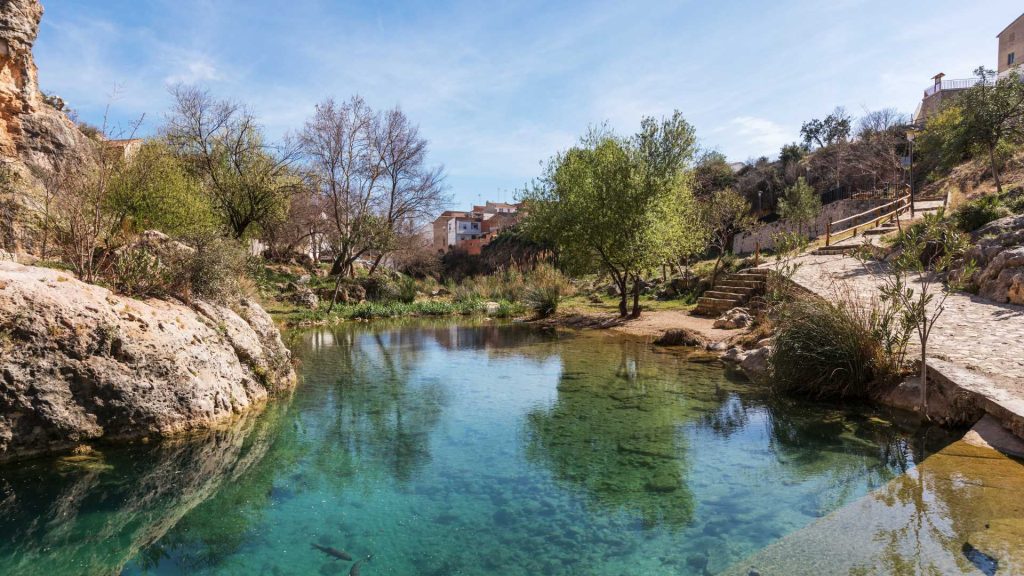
(731, 291)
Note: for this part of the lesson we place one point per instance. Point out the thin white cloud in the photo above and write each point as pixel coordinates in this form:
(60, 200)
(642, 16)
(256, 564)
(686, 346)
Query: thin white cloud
(759, 136)
(193, 69)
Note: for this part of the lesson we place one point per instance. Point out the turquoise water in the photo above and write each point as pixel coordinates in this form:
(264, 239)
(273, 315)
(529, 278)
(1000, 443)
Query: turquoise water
(463, 449)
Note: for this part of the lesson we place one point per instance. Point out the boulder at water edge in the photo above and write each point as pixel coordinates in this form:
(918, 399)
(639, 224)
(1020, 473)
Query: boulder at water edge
(79, 363)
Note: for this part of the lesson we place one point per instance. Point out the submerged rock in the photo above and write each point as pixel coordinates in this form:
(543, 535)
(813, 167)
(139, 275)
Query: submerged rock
(79, 363)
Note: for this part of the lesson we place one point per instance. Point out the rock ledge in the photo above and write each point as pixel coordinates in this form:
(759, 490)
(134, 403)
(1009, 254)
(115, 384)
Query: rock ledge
(79, 363)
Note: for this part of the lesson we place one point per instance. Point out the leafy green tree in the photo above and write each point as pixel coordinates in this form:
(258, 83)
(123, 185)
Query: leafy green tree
(792, 153)
(993, 115)
(711, 173)
(155, 191)
(248, 181)
(830, 130)
(800, 204)
(724, 214)
(943, 142)
(618, 205)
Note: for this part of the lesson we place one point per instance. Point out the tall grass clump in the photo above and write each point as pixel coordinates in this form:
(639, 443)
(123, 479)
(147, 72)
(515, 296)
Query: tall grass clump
(547, 287)
(838, 348)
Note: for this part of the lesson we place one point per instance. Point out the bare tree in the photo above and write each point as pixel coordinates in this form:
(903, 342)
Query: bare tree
(248, 181)
(371, 170)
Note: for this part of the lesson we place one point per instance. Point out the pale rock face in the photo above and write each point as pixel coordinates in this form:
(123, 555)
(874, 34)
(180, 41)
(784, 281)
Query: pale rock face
(35, 136)
(79, 363)
(999, 258)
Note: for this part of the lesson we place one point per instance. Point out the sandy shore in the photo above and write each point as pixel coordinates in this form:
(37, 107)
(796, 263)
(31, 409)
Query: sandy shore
(651, 324)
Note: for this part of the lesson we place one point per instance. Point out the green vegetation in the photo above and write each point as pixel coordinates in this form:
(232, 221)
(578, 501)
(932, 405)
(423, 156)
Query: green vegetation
(619, 205)
(838, 348)
(974, 214)
(917, 282)
(984, 121)
(800, 204)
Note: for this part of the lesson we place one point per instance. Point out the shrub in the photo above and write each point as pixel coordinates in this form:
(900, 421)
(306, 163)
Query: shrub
(159, 267)
(546, 288)
(215, 268)
(406, 289)
(974, 214)
(837, 348)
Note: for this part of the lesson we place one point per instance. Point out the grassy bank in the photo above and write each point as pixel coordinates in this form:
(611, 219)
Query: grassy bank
(296, 316)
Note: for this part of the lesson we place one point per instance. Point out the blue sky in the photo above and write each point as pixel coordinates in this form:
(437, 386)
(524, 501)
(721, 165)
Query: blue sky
(497, 87)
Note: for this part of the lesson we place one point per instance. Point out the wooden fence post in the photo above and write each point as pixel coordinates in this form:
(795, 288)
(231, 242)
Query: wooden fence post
(828, 231)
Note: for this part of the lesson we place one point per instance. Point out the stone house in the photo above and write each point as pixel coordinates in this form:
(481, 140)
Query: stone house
(474, 229)
(1011, 46)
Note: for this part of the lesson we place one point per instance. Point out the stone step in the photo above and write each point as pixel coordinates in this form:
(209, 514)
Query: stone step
(835, 250)
(721, 295)
(751, 284)
(758, 271)
(757, 278)
(732, 292)
(880, 230)
(733, 286)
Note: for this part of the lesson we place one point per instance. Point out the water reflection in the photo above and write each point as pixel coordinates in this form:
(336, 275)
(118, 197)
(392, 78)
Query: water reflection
(475, 449)
(614, 432)
(90, 514)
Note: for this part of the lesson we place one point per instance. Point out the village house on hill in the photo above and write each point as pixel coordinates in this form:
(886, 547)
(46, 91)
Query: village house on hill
(471, 231)
(1011, 49)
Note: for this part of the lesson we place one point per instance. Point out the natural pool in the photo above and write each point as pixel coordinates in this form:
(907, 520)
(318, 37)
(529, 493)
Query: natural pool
(447, 448)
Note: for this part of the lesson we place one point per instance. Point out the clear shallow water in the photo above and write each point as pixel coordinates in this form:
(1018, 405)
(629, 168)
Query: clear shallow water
(448, 449)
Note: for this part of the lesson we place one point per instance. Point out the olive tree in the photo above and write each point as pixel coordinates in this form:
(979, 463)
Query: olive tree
(248, 180)
(724, 214)
(801, 204)
(618, 205)
(993, 115)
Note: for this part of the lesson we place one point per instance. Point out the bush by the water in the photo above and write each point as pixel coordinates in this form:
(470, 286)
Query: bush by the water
(837, 348)
(546, 287)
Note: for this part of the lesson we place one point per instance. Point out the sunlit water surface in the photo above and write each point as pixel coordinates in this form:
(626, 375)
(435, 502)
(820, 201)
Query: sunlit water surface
(463, 449)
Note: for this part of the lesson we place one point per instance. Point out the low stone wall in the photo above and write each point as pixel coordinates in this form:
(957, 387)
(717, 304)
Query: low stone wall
(748, 241)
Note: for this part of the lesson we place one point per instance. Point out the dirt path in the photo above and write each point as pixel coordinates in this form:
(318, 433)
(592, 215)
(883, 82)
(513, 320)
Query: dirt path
(651, 324)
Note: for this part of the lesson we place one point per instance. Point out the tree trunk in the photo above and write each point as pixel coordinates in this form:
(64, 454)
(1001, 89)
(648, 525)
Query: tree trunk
(714, 272)
(623, 295)
(995, 167)
(376, 262)
(924, 382)
(636, 297)
(334, 296)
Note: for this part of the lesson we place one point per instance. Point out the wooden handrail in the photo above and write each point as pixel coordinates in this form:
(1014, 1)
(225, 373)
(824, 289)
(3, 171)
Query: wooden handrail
(900, 208)
(875, 209)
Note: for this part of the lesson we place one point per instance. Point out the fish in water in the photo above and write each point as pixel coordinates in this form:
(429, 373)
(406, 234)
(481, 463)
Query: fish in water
(354, 571)
(339, 554)
(983, 562)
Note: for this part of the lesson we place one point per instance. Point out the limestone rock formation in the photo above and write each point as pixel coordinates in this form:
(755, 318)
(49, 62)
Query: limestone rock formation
(999, 257)
(79, 363)
(35, 134)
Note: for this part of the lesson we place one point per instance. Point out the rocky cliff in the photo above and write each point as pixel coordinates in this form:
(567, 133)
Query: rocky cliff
(79, 363)
(35, 134)
(33, 129)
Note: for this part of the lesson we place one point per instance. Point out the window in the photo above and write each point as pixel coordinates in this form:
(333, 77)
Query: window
(1011, 58)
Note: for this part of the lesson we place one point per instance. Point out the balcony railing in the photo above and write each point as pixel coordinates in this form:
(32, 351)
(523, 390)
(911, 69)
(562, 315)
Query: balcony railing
(961, 84)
